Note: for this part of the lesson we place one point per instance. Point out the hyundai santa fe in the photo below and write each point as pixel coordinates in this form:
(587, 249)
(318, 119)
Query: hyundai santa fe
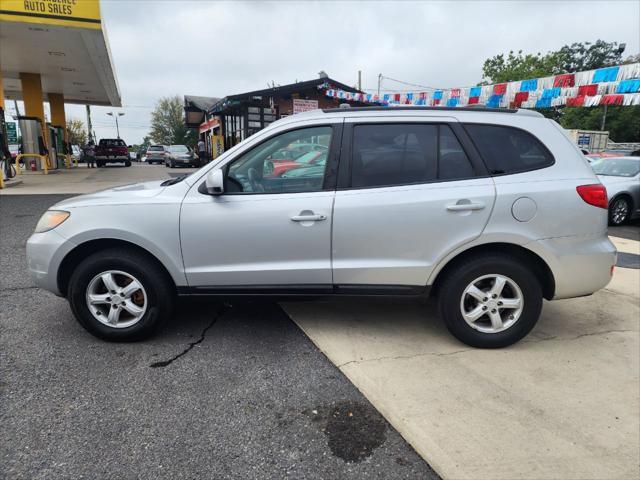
(490, 211)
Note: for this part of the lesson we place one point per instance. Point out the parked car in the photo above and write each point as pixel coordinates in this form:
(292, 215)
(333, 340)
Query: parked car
(112, 150)
(156, 154)
(76, 152)
(181, 155)
(621, 176)
(490, 211)
(277, 168)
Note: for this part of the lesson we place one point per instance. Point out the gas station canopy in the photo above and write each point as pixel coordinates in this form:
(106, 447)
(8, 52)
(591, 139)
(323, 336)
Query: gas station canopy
(65, 42)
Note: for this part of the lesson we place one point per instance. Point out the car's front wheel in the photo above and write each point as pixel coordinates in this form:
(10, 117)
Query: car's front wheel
(120, 295)
(490, 301)
(619, 211)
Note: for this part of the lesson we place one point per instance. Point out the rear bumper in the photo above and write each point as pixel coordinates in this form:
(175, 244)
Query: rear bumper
(113, 159)
(581, 265)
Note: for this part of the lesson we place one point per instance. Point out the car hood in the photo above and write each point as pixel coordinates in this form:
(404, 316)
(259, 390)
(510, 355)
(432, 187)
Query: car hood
(126, 194)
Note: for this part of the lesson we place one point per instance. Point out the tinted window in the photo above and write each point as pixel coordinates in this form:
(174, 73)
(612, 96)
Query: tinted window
(508, 150)
(155, 149)
(269, 167)
(385, 155)
(112, 142)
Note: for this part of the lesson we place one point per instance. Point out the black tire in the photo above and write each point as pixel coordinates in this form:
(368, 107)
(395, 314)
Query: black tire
(615, 218)
(172, 165)
(461, 275)
(156, 283)
(127, 163)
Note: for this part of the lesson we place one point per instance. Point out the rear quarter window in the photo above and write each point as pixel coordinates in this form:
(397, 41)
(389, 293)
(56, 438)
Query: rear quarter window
(508, 150)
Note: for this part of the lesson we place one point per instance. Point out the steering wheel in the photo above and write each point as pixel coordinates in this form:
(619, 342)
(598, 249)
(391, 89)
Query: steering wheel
(254, 179)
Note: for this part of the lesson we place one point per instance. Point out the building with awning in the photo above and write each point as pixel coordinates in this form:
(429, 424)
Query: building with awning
(241, 115)
(55, 51)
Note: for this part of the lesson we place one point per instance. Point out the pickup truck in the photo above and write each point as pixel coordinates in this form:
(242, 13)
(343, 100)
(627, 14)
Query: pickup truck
(112, 150)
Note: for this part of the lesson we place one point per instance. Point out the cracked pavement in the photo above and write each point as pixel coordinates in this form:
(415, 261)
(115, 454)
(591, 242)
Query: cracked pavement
(232, 399)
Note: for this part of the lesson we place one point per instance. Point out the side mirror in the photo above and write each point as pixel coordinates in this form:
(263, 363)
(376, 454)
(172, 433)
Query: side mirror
(215, 182)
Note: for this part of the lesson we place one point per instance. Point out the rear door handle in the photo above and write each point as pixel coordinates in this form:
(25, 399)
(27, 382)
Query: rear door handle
(460, 207)
(308, 218)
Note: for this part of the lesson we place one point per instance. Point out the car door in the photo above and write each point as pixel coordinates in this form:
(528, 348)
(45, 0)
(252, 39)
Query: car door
(265, 231)
(410, 190)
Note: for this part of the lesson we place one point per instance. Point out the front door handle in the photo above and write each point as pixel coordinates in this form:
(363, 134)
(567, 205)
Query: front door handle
(308, 218)
(462, 206)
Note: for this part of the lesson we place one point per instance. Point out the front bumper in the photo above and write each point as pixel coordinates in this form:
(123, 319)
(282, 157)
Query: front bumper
(45, 252)
(581, 265)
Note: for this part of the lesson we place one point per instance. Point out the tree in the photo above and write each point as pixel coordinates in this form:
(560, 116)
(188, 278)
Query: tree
(514, 67)
(167, 123)
(578, 57)
(570, 58)
(77, 132)
(623, 123)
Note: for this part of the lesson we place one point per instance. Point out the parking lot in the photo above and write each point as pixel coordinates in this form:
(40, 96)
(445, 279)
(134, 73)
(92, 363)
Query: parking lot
(325, 389)
(225, 391)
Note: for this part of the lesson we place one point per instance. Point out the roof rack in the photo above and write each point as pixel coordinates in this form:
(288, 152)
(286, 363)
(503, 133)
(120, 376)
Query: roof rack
(420, 108)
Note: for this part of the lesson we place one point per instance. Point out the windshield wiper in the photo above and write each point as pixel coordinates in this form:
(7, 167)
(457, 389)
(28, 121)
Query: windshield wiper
(174, 180)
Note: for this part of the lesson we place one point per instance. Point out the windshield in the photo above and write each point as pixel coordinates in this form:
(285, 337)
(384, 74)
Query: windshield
(178, 149)
(616, 167)
(155, 148)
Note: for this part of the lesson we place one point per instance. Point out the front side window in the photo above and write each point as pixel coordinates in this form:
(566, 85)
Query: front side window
(291, 162)
(403, 154)
(508, 150)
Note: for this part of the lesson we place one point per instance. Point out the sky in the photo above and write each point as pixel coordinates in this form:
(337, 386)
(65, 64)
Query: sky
(162, 47)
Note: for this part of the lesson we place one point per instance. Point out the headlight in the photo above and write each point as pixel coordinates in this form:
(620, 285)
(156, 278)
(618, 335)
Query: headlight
(51, 219)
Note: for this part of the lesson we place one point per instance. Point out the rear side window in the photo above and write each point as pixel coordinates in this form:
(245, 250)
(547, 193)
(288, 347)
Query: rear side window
(401, 154)
(509, 150)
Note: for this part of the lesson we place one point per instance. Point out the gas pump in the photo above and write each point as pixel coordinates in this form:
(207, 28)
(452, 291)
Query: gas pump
(5, 155)
(32, 143)
(57, 146)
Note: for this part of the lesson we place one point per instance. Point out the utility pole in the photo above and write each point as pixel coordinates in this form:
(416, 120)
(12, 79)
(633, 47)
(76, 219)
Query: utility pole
(379, 82)
(360, 80)
(604, 118)
(116, 115)
(89, 127)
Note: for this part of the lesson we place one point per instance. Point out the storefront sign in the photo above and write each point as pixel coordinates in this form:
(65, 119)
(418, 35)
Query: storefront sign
(206, 126)
(12, 132)
(300, 106)
(73, 13)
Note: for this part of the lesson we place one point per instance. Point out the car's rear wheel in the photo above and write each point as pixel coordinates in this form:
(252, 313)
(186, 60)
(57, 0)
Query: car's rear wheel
(120, 295)
(127, 163)
(619, 211)
(491, 301)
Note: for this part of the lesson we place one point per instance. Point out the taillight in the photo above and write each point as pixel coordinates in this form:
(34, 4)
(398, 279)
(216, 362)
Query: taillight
(595, 194)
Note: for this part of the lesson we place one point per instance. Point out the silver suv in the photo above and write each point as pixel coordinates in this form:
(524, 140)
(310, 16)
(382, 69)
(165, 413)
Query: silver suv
(491, 211)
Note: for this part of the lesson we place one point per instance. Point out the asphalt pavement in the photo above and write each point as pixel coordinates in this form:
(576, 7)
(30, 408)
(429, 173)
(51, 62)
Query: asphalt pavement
(224, 391)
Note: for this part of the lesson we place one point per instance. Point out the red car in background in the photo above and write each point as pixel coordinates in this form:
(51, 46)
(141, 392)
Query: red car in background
(301, 156)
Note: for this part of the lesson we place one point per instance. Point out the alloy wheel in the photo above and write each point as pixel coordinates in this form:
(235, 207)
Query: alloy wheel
(619, 211)
(492, 303)
(116, 299)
